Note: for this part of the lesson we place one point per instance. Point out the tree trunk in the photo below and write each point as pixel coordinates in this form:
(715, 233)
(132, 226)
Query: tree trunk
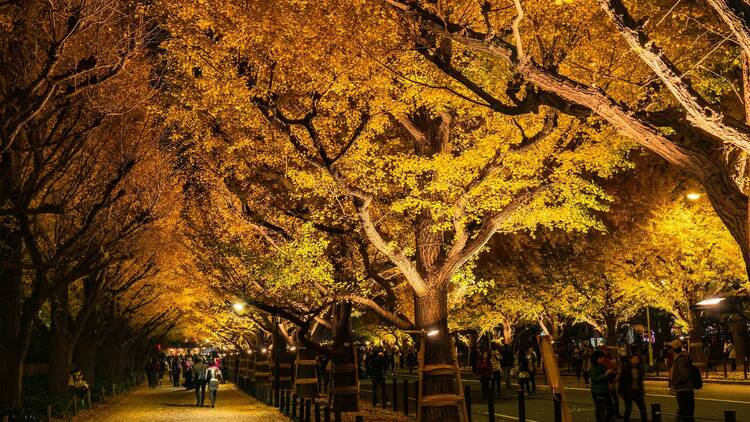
(344, 369)
(508, 331)
(86, 350)
(738, 328)
(12, 351)
(695, 340)
(610, 325)
(60, 344)
(431, 314)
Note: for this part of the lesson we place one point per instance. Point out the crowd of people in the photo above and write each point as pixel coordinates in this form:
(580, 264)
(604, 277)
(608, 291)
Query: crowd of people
(199, 373)
(500, 363)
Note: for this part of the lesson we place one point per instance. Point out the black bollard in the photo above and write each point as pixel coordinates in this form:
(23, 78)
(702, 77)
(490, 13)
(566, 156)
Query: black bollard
(288, 402)
(491, 406)
(374, 393)
(326, 414)
(281, 402)
(521, 406)
(294, 406)
(359, 418)
(382, 394)
(406, 397)
(467, 400)
(416, 393)
(730, 416)
(395, 394)
(308, 408)
(336, 416)
(317, 412)
(558, 407)
(656, 412)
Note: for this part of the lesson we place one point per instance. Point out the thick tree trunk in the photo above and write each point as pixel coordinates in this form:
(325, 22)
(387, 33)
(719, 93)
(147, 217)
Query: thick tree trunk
(344, 370)
(86, 351)
(695, 340)
(610, 325)
(508, 331)
(738, 329)
(12, 351)
(60, 347)
(105, 366)
(431, 314)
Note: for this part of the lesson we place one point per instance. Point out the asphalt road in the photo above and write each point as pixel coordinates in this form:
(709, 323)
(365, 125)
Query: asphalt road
(711, 401)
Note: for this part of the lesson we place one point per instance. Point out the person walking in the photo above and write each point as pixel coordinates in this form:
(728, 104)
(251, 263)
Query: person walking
(533, 365)
(484, 372)
(187, 372)
(176, 364)
(497, 367)
(586, 364)
(523, 371)
(630, 384)
(507, 364)
(199, 380)
(214, 377)
(600, 379)
(377, 369)
(681, 381)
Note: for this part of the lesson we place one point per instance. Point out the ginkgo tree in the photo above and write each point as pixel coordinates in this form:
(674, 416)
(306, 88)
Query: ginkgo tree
(429, 176)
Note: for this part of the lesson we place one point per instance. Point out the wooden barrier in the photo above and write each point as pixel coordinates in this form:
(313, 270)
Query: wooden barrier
(306, 373)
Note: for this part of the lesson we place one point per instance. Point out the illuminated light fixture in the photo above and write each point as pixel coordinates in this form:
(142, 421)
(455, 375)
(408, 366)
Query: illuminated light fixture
(433, 333)
(693, 196)
(292, 348)
(264, 350)
(682, 337)
(239, 307)
(710, 302)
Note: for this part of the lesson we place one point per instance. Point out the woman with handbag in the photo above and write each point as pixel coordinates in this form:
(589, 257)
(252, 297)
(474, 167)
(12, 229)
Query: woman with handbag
(524, 374)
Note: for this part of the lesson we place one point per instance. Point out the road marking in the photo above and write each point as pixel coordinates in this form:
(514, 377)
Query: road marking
(514, 418)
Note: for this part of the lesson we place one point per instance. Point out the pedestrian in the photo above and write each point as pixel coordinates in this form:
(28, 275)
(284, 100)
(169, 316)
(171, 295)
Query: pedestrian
(507, 364)
(630, 384)
(474, 356)
(523, 374)
(601, 376)
(187, 371)
(732, 355)
(199, 380)
(411, 360)
(396, 361)
(176, 371)
(613, 363)
(484, 372)
(578, 362)
(497, 367)
(533, 365)
(681, 377)
(377, 369)
(586, 364)
(214, 377)
(152, 372)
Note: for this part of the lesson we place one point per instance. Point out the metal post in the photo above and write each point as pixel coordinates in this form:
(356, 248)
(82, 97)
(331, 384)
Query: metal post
(308, 405)
(49, 414)
(281, 402)
(558, 407)
(467, 400)
(374, 393)
(317, 412)
(276, 355)
(294, 406)
(656, 412)
(336, 416)
(491, 406)
(395, 394)
(650, 346)
(725, 369)
(730, 416)
(416, 393)
(288, 401)
(521, 406)
(406, 398)
(326, 414)
(382, 393)
(88, 398)
(744, 366)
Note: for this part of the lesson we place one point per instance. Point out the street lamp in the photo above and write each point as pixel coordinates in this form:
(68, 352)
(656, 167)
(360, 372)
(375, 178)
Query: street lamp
(711, 301)
(433, 333)
(693, 196)
(239, 307)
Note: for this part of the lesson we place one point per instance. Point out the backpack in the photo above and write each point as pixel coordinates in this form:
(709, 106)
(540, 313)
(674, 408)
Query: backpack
(695, 376)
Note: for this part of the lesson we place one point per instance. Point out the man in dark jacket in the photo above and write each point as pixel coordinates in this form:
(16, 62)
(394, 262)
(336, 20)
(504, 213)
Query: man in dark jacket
(630, 384)
(681, 377)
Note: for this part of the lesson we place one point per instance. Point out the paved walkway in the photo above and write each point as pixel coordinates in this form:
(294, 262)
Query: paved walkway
(168, 403)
